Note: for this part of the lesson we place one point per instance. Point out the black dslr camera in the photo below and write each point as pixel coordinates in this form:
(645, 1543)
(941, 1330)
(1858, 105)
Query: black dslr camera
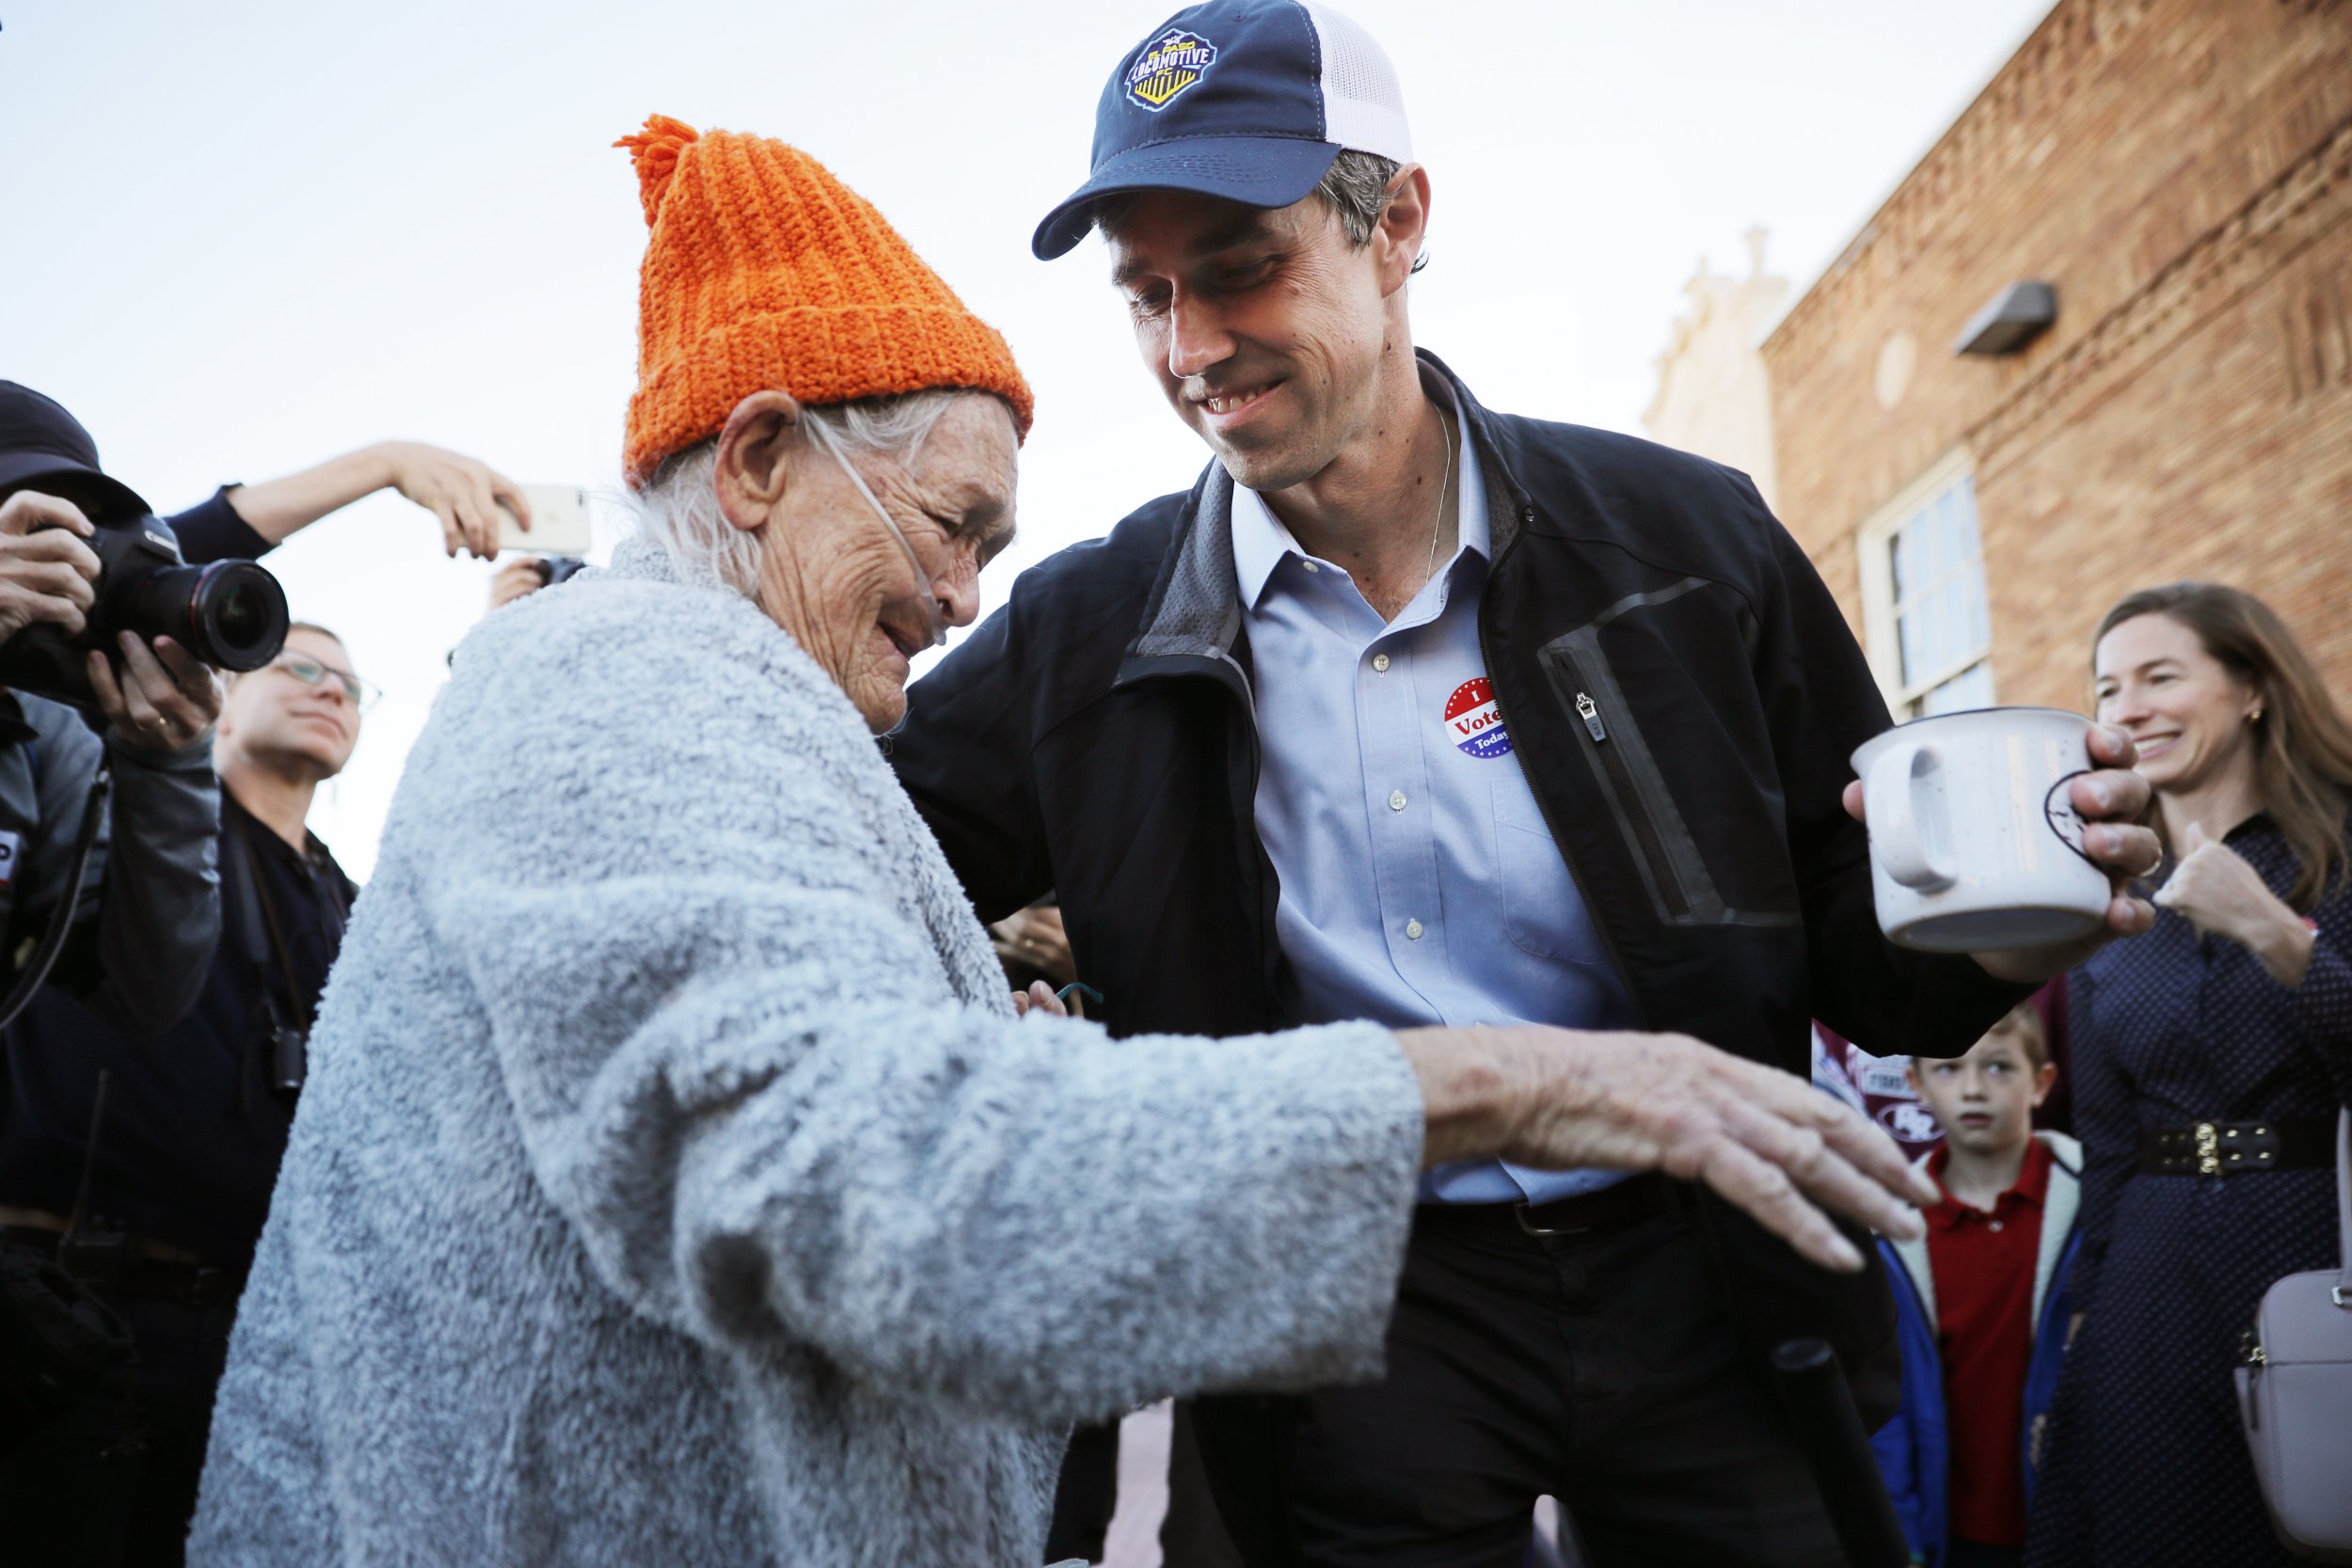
(231, 614)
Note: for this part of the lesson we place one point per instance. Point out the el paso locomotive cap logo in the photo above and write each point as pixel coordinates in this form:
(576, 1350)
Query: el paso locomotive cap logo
(1169, 63)
(1473, 723)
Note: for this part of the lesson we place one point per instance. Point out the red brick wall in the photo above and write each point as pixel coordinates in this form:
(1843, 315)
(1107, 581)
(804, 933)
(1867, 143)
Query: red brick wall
(2182, 170)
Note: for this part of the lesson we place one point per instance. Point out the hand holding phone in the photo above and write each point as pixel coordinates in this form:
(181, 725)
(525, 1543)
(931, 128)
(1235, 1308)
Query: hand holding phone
(559, 522)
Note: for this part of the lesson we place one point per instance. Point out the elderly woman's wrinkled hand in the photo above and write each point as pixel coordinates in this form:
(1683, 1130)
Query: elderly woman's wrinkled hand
(1765, 1140)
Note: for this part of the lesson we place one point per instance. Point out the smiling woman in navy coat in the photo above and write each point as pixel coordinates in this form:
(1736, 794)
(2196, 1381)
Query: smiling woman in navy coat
(2234, 1014)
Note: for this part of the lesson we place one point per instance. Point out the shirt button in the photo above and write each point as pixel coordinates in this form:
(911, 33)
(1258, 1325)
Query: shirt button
(1380, 662)
(1412, 930)
(1396, 800)
(1311, 566)
(1997, 1224)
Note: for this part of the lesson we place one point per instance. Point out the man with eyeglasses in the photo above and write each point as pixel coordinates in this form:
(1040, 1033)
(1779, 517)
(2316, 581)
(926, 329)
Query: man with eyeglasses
(194, 1125)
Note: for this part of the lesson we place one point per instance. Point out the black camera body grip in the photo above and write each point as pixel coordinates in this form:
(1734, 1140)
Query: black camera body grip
(231, 614)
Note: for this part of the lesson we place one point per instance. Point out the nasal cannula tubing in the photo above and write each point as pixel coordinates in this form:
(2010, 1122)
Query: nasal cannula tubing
(931, 618)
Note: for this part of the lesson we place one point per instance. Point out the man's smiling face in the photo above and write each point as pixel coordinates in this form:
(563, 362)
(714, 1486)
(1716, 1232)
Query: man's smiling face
(1264, 328)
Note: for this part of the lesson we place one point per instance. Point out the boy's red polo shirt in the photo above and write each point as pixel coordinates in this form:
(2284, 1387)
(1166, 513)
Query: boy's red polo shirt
(1983, 1264)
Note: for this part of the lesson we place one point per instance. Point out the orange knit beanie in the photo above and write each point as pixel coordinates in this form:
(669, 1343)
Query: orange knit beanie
(764, 272)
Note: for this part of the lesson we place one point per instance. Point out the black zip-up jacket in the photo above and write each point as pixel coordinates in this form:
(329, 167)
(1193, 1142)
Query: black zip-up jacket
(1677, 684)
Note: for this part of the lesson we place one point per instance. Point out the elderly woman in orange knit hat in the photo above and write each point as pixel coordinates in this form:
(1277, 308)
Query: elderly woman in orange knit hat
(675, 1182)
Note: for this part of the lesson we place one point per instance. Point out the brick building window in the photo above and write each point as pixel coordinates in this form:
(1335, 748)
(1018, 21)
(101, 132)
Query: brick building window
(1925, 618)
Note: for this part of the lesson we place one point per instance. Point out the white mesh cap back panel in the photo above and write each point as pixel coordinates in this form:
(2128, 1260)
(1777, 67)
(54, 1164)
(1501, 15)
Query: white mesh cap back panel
(1363, 108)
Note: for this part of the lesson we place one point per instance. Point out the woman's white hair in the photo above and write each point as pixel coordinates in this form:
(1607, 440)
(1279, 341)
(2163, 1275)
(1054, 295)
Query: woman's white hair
(678, 509)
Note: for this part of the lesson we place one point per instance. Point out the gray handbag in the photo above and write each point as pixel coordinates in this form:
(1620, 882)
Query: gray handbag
(2295, 1393)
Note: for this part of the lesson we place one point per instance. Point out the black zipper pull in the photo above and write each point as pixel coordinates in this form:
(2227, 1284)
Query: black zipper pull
(1589, 711)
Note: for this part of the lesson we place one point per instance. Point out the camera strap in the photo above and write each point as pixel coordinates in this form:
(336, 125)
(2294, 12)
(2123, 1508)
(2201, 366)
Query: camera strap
(257, 915)
(36, 970)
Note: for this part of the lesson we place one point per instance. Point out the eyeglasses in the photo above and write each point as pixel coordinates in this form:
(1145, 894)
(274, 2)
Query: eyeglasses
(309, 672)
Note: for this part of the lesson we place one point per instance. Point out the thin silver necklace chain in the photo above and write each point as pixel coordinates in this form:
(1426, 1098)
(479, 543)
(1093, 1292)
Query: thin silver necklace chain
(1436, 526)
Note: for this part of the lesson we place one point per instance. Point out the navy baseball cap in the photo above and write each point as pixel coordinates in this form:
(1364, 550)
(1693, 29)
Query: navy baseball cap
(39, 441)
(1248, 99)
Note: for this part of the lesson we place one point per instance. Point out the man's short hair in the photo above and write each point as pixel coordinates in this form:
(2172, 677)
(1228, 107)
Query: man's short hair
(293, 626)
(1354, 187)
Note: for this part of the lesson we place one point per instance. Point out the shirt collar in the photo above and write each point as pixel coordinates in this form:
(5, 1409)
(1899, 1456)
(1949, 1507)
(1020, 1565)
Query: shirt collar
(1262, 542)
(2032, 1186)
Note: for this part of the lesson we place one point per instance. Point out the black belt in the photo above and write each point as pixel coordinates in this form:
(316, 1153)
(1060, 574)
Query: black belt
(136, 1276)
(2233, 1148)
(1634, 1198)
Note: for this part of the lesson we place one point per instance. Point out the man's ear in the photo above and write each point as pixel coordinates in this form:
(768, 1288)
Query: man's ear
(755, 459)
(1403, 227)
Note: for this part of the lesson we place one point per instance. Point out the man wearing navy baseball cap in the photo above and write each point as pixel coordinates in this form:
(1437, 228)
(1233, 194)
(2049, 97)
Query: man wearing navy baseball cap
(1413, 711)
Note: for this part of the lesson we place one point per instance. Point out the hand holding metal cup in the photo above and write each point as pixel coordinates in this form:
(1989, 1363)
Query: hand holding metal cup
(2008, 834)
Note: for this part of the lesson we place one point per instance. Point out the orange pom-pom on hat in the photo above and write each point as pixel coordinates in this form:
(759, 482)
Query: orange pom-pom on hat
(764, 272)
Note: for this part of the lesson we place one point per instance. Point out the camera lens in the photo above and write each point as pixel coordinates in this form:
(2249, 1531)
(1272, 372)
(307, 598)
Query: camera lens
(231, 614)
(239, 613)
(241, 619)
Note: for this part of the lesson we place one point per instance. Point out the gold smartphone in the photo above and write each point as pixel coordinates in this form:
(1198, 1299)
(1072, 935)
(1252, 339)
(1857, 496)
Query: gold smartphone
(559, 522)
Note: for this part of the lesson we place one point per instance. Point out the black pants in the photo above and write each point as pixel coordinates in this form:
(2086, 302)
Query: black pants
(1602, 1368)
(111, 1481)
(1087, 1493)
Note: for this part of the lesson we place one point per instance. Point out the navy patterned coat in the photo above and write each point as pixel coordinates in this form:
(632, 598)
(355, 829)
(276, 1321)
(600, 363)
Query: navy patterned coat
(2147, 1461)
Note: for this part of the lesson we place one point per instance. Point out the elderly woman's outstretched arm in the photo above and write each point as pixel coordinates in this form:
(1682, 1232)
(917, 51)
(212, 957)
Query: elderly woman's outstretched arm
(762, 1061)
(763, 1064)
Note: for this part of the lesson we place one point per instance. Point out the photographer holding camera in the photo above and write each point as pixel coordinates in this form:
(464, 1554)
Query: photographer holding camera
(194, 1128)
(148, 898)
(108, 886)
(170, 1181)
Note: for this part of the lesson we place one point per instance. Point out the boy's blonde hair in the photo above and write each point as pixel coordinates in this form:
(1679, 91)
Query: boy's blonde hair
(2023, 1023)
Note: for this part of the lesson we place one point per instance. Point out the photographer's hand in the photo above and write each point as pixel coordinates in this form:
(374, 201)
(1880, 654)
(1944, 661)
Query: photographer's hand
(166, 698)
(46, 572)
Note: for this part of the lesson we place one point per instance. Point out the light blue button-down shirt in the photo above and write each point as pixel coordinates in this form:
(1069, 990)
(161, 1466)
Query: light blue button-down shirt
(1420, 884)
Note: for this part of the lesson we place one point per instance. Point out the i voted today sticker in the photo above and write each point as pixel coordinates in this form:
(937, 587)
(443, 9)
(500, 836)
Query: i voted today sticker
(1473, 723)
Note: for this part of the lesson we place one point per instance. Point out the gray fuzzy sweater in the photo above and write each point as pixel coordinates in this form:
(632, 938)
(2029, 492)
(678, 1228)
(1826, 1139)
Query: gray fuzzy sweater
(673, 1185)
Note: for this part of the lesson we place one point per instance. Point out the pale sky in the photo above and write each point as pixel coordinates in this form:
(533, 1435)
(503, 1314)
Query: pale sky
(237, 238)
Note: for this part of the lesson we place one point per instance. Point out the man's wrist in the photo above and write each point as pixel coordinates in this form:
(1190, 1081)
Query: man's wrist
(194, 754)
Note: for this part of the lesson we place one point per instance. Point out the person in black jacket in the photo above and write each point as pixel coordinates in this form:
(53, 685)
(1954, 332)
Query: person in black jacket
(1413, 711)
(147, 908)
(178, 1174)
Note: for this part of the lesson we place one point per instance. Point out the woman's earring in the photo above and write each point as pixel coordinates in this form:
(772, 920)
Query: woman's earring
(2255, 717)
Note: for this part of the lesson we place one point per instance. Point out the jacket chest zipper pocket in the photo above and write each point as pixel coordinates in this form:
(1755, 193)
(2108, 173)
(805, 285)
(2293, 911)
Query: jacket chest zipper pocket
(1664, 850)
(1632, 810)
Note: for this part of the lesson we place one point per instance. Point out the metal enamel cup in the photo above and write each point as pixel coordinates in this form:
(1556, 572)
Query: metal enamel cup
(1975, 842)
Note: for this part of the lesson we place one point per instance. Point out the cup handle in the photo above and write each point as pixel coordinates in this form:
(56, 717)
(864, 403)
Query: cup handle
(1894, 796)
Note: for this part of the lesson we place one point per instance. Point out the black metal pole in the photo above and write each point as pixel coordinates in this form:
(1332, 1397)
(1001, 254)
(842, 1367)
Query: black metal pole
(1830, 1428)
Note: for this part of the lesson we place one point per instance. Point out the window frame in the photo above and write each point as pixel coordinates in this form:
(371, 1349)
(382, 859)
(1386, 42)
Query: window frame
(1874, 553)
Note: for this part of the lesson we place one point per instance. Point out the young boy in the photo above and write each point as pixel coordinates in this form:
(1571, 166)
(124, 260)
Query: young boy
(1982, 1302)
